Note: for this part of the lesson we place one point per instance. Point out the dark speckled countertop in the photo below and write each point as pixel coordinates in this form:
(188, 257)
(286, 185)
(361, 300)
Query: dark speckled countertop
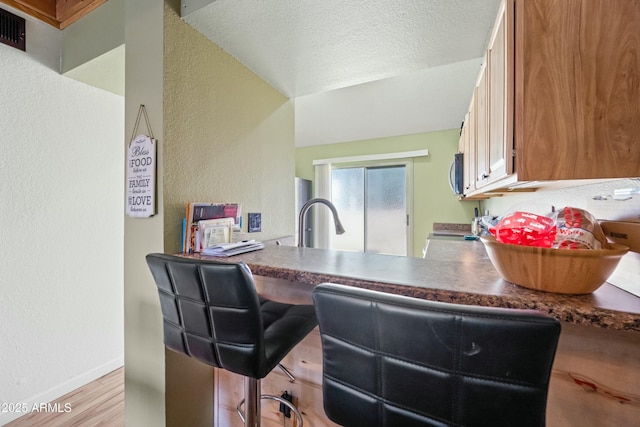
(452, 271)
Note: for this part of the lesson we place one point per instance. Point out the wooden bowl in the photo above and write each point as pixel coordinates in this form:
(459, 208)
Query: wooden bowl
(564, 271)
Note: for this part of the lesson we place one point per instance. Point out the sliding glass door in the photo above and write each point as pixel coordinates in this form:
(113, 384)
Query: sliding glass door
(373, 207)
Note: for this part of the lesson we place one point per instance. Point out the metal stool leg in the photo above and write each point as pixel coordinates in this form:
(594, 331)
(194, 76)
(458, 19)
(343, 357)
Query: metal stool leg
(292, 379)
(291, 406)
(251, 417)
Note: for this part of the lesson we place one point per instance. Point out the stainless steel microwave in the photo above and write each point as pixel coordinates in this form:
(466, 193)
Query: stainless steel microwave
(456, 172)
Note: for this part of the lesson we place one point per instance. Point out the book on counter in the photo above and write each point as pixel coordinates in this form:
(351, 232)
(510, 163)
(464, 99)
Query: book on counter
(203, 214)
(230, 249)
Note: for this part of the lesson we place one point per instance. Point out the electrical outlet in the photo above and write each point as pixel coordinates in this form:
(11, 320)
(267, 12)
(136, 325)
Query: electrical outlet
(255, 222)
(284, 408)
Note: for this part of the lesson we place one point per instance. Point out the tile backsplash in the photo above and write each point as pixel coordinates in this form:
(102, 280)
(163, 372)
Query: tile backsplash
(595, 198)
(446, 226)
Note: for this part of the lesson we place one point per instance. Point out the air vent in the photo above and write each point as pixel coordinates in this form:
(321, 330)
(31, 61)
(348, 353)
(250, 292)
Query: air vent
(12, 30)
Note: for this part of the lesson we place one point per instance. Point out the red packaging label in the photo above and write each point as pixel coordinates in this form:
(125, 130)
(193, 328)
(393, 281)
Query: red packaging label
(526, 229)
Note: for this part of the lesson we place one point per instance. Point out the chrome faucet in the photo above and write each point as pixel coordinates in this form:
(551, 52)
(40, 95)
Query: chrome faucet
(302, 222)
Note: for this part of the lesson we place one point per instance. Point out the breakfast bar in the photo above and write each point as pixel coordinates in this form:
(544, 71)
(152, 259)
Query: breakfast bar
(596, 374)
(452, 271)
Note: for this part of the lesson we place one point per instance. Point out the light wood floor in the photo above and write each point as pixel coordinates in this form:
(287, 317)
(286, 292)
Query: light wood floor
(99, 403)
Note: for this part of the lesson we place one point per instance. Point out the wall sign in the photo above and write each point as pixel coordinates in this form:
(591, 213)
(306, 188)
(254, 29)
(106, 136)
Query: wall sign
(141, 173)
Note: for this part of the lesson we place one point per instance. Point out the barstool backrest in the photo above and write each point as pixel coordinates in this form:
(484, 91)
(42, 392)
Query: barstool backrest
(390, 360)
(211, 312)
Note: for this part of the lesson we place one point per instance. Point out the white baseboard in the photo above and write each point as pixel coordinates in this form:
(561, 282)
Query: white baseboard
(62, 389)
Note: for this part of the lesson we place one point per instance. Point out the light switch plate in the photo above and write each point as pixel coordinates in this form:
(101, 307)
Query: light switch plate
(255, 222)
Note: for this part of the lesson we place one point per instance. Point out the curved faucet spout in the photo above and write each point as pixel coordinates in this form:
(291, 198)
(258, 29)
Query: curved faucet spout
(302, 218)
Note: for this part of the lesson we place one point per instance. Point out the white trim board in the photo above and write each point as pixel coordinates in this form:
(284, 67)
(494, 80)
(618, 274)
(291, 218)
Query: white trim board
(373, 157)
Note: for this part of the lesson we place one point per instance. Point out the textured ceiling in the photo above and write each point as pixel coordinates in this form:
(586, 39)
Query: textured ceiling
(304, 47)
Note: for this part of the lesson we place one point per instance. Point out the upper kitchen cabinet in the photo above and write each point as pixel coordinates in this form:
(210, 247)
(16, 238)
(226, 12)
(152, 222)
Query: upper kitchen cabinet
(58, 13)
(563, 95)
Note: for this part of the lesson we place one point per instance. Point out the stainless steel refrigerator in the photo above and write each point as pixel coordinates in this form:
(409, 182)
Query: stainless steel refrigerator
(304, 194)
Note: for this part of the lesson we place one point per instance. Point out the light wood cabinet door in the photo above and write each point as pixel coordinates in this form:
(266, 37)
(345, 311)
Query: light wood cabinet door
(482, 129)
(500, 94)
(577, 89)
(468, 172)
(470, 149)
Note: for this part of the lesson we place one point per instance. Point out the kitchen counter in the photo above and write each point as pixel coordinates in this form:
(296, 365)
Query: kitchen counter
(452, 271)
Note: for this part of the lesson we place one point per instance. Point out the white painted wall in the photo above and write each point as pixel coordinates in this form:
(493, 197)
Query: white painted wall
(61, 226)
(424, 101)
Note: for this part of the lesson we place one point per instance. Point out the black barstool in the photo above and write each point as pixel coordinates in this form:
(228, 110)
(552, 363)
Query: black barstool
(213, 313)
(390, 360)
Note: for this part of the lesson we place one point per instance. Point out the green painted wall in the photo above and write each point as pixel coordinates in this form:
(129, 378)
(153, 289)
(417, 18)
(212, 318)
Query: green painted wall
(230, 136)
(143, 346)
(433, 199)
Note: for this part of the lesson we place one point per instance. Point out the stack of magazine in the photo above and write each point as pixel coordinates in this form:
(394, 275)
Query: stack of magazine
(209, 224)
(229, 249)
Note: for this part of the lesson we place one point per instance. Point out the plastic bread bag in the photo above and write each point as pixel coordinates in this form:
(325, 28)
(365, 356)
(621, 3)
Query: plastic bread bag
(578, 229)
(526, 229)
